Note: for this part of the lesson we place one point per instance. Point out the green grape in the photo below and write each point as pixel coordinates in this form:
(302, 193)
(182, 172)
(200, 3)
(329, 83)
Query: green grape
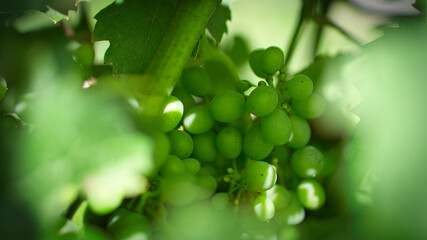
(254, 145)
(184, 96)
(227, 106)
(262, 101)
(330, 166)
(198, 120)
(272, 60)
(255, 61)
(3, 88)
(311, 107)
(219, 201)
(276, 127)
(204, 147)
(179, 190)
(229, 142)
(301, 132)
(311, 194)
(260, 176)
(181, 143)
(172, 114)
(84, 55)
(307, 162)
(207, 185)
(282, 89)
(192, 165)
(293, 214)
(282, 153)
(197, 81)
(244, 123)
(173, 165)
(123, 218)
(161, 149)
(264, 208)
(279, 196)
(289, 233)
(300, 87)
(243, 85)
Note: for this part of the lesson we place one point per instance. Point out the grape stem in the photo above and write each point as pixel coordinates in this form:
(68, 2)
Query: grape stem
(187, 24)
(322, 20)
(294, 40)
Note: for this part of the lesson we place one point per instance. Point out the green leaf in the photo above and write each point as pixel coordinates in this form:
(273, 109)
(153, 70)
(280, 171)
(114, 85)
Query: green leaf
(217, 25)
(82, 141)
(58, 10)
(54, 15)
(239, 51)
(134, 29)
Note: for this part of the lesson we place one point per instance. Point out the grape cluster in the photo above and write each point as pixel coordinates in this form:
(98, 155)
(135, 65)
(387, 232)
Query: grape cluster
(238, 149)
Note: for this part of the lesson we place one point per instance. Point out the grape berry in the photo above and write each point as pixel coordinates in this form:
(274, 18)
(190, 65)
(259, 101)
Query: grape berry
(238, 149)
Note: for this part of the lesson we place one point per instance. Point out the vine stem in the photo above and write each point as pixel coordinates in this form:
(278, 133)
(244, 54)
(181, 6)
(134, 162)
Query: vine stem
(187, 24)
(327, 22)
(294, 40)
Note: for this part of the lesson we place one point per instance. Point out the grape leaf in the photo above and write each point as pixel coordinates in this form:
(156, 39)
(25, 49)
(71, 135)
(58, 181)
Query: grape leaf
(134, 29)
(55, 15)
(83, 141)
(217, 25)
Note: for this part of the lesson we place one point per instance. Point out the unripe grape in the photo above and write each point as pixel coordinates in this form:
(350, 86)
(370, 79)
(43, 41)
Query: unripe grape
(122, 218)
(227, 106)
(311, 107)
(282, 153)
(255, 61)
(262, 101)
(204, 147)
(276, 127)
(192, 165)
(307, 162)
(301, 132)
(293, 214)
(184, 96)
(161, 149)
(264, 208)
(279, 196)
(207, 185)
(172, 166)
(172, 114)
(254, 144)
(311, 194)
(260, 176)
(219, 201)
(243, 85)
(181, 143)
(272, 59)
(179, 190)
(125, 224)
(198, 120)
(197, 81)
(229, 142)
(300, 87)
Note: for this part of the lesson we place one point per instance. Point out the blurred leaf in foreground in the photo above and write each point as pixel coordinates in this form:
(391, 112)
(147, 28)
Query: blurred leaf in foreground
(82, 141)
(387, 176)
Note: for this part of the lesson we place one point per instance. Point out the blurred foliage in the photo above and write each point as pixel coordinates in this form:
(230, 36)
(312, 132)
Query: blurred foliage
(61, 143)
